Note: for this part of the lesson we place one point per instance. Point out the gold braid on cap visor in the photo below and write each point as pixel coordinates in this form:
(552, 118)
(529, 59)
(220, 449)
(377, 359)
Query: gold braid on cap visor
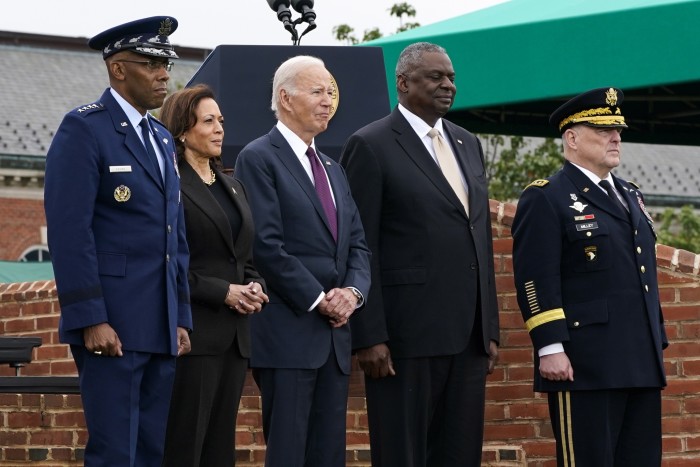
(600, 116)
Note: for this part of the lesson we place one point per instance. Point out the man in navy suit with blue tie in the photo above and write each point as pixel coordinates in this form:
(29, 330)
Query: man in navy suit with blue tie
(117, 240)
(310, 248)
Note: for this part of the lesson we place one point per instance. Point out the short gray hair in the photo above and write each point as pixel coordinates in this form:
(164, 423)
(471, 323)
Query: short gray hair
(286, 76)
(412, 56)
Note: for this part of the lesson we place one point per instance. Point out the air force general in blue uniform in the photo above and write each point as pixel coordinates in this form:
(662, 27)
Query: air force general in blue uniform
(585, 272)
(117, 240)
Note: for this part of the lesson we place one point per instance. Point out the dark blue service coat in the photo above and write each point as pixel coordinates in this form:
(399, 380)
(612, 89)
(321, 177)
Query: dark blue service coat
(585, 274)
(116, 230)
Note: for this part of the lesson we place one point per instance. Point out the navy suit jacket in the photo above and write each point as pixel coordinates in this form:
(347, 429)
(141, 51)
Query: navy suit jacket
(585, 274)
(116, 230)
(296, 254)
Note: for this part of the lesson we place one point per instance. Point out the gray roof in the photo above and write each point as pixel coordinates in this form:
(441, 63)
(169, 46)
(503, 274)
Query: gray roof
(41, 80)
(667, 175)
(39, 85)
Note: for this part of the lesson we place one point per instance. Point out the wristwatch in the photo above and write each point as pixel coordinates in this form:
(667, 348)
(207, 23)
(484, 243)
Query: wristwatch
(358, 296)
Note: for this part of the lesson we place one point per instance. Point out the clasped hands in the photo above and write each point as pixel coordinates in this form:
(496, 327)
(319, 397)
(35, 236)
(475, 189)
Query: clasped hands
(246, 299)
(338, 304)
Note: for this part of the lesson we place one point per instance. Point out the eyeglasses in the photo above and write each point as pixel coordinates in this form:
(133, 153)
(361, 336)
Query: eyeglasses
(152, 65)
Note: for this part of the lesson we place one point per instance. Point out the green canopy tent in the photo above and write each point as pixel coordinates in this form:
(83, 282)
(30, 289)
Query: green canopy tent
(517, 61)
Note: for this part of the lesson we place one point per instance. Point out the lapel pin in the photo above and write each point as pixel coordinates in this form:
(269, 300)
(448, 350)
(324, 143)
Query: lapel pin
(459, 141)
(165, 140)
(585, 190)
(124, 124)
(234, 191)
(328, 163)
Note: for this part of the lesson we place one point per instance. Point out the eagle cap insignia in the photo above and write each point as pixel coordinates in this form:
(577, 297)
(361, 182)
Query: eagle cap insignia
(611, 97)
(166, 27)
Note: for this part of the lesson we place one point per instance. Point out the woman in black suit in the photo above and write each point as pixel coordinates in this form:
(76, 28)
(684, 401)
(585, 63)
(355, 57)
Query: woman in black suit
(224, 286)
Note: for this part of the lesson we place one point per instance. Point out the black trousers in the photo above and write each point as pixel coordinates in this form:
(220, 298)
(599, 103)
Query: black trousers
(607, 428)
(202, 420)
(431, 413)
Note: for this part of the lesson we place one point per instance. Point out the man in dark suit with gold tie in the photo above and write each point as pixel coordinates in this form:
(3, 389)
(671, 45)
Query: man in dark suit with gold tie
(427, 336)
(310, 248)
(585, 272)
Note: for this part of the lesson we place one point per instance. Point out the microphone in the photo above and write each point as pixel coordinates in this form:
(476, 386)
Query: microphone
(306, 8)
(284, 15)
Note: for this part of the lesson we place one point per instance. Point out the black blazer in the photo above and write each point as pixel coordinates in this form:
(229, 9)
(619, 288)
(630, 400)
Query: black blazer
(216, 262)
(432, 265)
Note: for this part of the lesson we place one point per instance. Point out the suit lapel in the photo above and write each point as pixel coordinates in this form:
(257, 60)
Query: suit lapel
(193, 187)
(466, 162)
(632, 201)
(291, 162)
(416, 151)
(131, 140)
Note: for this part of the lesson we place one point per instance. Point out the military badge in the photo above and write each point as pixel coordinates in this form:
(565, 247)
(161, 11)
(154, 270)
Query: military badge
(611, 97)
(573, 197)
(578, 206)
(122, 193)
(591, 253)
(644, 209)
(585, 217)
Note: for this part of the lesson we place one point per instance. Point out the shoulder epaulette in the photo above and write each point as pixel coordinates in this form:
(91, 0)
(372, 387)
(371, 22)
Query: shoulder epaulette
(538, 183)
(633, 184)
(89, 108)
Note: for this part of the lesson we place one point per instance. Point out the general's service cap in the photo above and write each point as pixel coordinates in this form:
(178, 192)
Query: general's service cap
(597, 108)
(147, 36)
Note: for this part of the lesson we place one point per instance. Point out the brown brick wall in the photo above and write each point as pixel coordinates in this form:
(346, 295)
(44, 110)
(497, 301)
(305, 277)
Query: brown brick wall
(20, 220)
(48, 430)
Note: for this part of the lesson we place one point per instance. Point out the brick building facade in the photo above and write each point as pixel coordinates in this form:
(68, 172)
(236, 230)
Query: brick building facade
(49, 430)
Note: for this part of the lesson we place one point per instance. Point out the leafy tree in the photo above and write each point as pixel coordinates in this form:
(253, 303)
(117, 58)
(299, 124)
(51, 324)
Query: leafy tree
(371, 34)
(343, 33)
(509, 170)
(401, 9)
(680, 229)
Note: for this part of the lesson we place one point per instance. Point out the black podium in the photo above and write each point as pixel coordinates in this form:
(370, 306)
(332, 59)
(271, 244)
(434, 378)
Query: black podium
(241, 77)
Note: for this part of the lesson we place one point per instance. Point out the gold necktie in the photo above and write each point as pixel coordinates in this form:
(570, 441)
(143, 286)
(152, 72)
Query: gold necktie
(448, 165)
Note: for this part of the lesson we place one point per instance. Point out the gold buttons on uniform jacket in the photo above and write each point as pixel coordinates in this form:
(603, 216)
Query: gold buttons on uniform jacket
(588, 234)
(639, 250)
(643, 269)
(646, 287)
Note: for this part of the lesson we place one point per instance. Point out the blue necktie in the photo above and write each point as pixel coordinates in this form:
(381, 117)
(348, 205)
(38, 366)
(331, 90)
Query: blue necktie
(149, 147)
(323, 190)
